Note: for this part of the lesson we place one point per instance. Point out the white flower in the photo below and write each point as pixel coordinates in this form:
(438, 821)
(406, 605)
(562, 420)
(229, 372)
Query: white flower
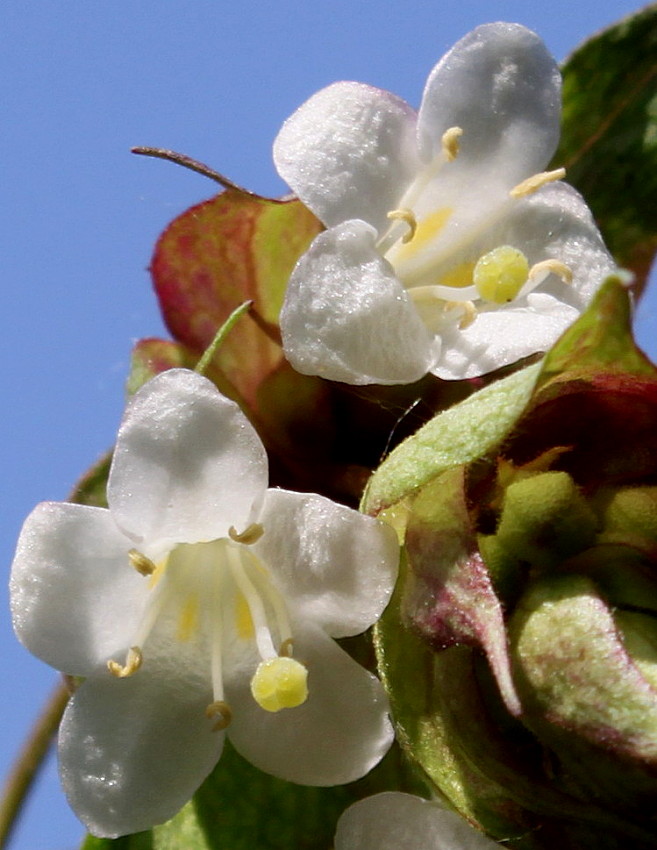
(212, 601)
(392, 821)
(448, 249)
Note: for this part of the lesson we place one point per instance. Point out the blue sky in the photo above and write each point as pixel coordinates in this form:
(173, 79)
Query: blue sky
(80, 83)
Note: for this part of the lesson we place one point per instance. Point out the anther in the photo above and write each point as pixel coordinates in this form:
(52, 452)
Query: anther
(531, 184)
(551, 266)
(141, 563)
(132, 663)
(450, 143)
(285, 650)
(408, 218)
(222, 712)
(250, 535)
(469, 312)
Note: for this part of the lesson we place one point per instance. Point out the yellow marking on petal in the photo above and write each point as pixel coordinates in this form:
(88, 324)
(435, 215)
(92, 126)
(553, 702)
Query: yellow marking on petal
(286, 647)
(157, 573)
(250, 535)
(222, 711)
(408, 218)
(500, 275)
(188, 619)
(280, 683)
(553, 267)
(141, 563)
(531, 184)
(450, 143)
(133, 662)
(459, 276)
(243, 618)
(426, 231)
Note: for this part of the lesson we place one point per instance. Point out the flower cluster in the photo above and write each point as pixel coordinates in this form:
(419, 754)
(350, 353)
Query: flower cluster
(199, 602)
(448, 248)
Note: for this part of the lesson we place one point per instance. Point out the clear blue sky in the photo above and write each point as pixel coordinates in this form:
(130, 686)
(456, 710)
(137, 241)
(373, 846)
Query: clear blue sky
(80, 83)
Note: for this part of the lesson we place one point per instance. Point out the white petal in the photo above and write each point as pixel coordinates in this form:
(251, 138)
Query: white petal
(187, 465)
(555, 223)
(349, 152)
(133, 751)
(499, 337)
(75, 599)
(346, 316)
(392, 821)
(336, 736)
(502, 87)
(335, 566)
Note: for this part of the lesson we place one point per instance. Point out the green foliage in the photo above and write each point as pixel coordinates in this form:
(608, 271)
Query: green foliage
(609, 136)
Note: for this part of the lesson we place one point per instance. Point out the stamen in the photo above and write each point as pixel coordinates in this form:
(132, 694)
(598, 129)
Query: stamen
(531, 184)
(280, 683)
(141, 563)
(221, 710)
(286, 648)
(250, 535)
(450, 143)
(133, 661)
(469, 314)
(551, 266)
(262, 634)
(408, 218)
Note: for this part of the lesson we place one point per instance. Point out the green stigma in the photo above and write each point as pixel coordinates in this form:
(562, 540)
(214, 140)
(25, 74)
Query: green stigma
(500, 275)
(280, 683)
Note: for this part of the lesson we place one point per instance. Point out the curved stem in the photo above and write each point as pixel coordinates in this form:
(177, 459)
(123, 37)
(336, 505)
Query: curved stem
(30, 759)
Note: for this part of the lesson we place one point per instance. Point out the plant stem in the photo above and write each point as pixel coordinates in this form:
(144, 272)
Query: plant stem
(30, 759)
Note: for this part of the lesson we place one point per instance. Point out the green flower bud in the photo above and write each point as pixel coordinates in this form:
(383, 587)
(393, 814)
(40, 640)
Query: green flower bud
(545, 520)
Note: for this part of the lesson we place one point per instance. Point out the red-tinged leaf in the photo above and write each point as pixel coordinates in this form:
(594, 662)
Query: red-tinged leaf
(230, 249)
(152, 356)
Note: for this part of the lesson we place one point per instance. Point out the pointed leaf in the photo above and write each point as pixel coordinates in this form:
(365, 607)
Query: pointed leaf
(609, 136)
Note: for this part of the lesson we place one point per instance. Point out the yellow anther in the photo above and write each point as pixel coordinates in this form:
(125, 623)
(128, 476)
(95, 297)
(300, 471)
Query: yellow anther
(141, 563)
(469, 314)
(286, 647)
(280, 683)
(250, 535)
(500, 274)
(531, 184)
(220, 710)
(450, 143)
(132, 663)
(553, 267)
(408, 218)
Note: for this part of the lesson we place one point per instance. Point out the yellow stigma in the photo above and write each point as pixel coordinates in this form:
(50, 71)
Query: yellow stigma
(500, 275)
(250, 535)
(221, 710)
(408, 218)
(531, 184)
(141, 563)
(132, 663)
(553, 267)
(280, 683)
(450, 143)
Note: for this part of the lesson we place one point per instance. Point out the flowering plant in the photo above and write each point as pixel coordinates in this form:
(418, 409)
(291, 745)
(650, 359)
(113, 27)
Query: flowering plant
(222, 595)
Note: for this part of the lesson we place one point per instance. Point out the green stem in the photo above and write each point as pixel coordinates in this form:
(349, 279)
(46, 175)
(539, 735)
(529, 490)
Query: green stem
(30, 759)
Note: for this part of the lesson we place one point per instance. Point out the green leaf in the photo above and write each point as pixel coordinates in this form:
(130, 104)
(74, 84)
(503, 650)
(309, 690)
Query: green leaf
(600, 341)
(609, 136)
(461, 434)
